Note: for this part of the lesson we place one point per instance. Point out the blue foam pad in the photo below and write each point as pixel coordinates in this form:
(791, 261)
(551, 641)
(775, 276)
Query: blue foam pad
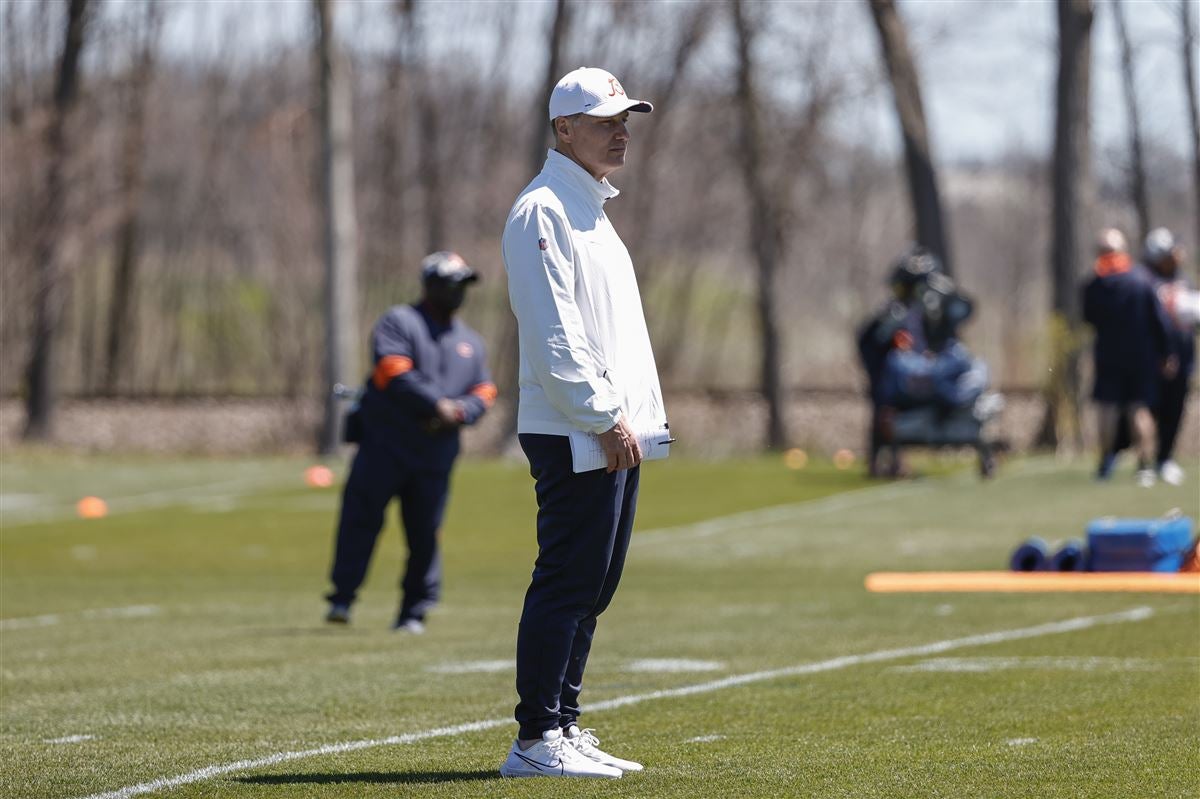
(1070, 557)
(1030, 556)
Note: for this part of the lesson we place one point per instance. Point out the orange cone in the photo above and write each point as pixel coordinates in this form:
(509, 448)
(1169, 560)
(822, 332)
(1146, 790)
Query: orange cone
(91, 508)
(318, 477)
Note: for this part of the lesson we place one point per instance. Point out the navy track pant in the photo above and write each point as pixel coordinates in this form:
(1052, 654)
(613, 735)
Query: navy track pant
(1172, 403)
(377, 476)
(584, 523)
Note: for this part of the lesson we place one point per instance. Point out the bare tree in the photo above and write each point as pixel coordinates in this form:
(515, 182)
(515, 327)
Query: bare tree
(429, 134)
(507, 350)
(1072, 190)
(910, 112)
(337, 194)
(646, 202)
(53, 276)
(767, 212)
(1137, 170)
(1188, 40)
(121, 328)
(540, 136)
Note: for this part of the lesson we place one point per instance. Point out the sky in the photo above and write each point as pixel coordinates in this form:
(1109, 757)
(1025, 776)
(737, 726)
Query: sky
(987, 66)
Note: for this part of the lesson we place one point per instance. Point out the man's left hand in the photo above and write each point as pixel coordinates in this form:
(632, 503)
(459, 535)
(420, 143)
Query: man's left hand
(620, 447)
(449, 414)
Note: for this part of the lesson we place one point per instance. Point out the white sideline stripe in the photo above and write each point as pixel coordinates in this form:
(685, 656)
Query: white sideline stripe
(1051, 628)
(840, 501)
(987, 665)
(778, 513)
(167, 497)
(50, 619)
(69, 739)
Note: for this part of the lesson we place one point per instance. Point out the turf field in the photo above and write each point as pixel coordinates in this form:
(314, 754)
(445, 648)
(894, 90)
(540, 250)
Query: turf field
(175, 648)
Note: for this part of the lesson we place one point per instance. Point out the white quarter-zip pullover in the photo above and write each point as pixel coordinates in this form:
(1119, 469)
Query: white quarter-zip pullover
(586, 360)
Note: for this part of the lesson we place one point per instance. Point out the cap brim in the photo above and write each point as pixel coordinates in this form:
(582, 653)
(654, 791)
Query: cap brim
(468, 278)
(611, 108)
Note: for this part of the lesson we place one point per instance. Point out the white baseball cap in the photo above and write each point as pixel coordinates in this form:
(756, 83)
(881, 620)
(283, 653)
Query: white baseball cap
(448, 266)
(1158, 245)
(592, 91)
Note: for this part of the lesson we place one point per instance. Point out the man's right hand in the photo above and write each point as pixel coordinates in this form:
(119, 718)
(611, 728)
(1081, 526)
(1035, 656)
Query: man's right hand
(620, 446)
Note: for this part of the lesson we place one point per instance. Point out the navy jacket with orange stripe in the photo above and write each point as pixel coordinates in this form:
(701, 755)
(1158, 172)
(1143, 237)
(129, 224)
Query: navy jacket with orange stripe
(417, 362)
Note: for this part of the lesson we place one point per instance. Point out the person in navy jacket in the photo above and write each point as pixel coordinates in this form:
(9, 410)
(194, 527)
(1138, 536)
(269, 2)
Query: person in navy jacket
(898, 325)
(430, 379)
(1163, 256)
(1132, 349)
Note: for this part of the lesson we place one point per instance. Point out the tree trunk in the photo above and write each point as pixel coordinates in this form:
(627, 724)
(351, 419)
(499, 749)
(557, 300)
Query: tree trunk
(645, 203)
(122, 331)
(1072, 190)
(766, 231)
(1188, 23)
(508, 350)
(1137, 171)
(541, 136)
(340, 226)
(429, 134)
(910, 112)
(53, 276)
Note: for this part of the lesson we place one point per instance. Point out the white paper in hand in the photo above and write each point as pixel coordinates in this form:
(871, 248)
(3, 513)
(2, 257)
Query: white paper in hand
(587, 455)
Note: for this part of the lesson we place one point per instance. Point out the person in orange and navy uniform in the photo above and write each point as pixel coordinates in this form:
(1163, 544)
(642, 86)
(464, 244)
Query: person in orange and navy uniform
(898, 325)
(430, 379)
(1132, 347)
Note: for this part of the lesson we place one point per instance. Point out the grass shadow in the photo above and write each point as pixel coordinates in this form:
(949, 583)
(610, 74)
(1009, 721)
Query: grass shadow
(384, 777)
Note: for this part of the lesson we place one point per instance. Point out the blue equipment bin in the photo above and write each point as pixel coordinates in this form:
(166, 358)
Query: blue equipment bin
(1138, 545)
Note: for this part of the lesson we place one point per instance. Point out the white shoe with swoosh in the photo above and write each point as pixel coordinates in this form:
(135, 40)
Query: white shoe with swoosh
(553, 756)
(588, 745)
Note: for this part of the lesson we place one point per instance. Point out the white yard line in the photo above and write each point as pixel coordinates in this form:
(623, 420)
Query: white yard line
(50, 619)
(1001, 636)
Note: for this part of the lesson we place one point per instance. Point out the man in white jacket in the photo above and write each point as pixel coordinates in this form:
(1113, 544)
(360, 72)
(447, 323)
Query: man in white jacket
(585, 365)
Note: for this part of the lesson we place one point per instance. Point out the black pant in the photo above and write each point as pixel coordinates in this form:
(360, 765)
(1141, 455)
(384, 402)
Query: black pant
(376, 476)
(584, 523)
(1172, 401)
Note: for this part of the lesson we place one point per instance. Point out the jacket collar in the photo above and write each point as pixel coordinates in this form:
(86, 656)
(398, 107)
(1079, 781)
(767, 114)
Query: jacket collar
(436, 328)
(593, 192)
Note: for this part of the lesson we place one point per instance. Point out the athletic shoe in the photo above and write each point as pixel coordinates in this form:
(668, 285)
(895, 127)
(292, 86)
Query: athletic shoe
(553, 756)
(588, 745)
(1146, 478)
(339, 613)
(1171, 473)
(409, 625)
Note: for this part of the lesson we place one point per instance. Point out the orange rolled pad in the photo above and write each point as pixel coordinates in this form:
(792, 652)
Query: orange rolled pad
(1033, 582)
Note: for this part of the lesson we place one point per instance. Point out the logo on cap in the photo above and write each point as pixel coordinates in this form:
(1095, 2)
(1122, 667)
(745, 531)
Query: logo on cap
(542, 244)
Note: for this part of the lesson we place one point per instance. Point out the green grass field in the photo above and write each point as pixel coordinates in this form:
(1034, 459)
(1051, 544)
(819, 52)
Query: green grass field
(175, 648)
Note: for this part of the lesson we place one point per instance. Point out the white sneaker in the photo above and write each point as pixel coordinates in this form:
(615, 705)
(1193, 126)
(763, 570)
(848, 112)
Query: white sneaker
(1171, 473)
(410, 626)
(1145, 478)
(588, 745)
(553, 757)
